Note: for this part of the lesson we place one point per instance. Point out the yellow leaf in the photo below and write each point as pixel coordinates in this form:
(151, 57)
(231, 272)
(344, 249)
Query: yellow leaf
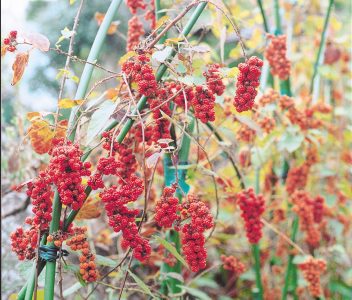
(33, 115)
(19, 66)
(126, 57)
(113, 28)
(232, 73)
(162, 21)
(173, 41)
(99, 17)
(89, 210)
(68, 103)
(256, 39)
(3, 50)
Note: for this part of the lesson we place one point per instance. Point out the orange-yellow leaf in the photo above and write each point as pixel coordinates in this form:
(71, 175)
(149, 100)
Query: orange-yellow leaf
(19, 66)
(128, 55)
(162, 21)
(3, 50)
(68, 103)
(33, 115)
(89, 210)
(99, 17)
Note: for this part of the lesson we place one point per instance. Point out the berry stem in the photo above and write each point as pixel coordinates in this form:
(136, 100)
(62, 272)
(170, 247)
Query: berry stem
(258, 279)
(321, 50)
(158, 15)
(290, 271)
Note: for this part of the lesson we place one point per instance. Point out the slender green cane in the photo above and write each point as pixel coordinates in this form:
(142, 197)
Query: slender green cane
(320, 53)
(92, 58)
(258, 280)
(290, 266)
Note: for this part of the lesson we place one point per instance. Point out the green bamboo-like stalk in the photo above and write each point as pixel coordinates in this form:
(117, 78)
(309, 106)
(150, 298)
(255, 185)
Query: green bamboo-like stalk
(92, 58)
(320, 53)
(51, 266)
(269, 78)
(127, 126)
(290, 266)
(258, 279)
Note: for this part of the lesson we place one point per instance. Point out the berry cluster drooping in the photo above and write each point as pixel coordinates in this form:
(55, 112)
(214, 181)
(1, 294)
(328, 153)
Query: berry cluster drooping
(312, 269)
(252, 207)
(135, 4)
(87, 265)
(183, 95)
(214, 80)
(161, 126)
(304, 207)
(134, 33)
(247, 82)
(24, 242)
(10, 41)
(245, 134)
(286, 102)
(66, 170)
(270, 97)
(233, 264)
(193, 239)
(267, 124)
(297, 178)
(318, 209)
(150, 15)
(138, 70)
(275, 53)
(121, 218)
(203, 104)
(167, 207)
(40, 192)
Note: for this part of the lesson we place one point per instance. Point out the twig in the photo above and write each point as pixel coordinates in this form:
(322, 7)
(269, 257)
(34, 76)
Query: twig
(125, 278)
(68, 58)
(18, 210)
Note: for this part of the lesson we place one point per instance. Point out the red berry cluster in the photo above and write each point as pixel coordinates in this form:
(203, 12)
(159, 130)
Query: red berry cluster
(247, 82)
(233, 264)
(203, 104)
(148, 134)
(150, 15)
(252, 207)
(193, 239)
(297, 178)
(105, 166)
(267, 124)
(24, 242)
(10, 41)
(87, 265)
(312, 269)
(135, 31)
(139, 71)
(121, 218)
(161, 127)
(245, 134)
(318, 209)
(66, 170)
(244, 158)
(167, 207)
(40, 192)
(286, 102)
(135, 4)
(182, 94)
(214, 80)
(275, 53)
(304, 208)
(270, 97)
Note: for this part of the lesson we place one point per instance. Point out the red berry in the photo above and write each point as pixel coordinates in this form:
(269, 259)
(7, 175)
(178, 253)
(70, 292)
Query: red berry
(11, 48)
(13, 34)
(7, 41)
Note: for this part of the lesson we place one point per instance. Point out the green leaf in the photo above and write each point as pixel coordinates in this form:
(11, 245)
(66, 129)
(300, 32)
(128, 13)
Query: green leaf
(173, 275)
(141, 284)
(74, 288)
(171, 249)
(105, 261)
(249, 275)
(99, 120)
(195, 292)
(291, 140)
(341, 288)
(162, 55)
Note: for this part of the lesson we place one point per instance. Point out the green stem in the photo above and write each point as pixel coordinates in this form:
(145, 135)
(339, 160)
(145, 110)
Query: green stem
(159, 15)
(92, 58)
(319, 58)
(290, 271)
(262, 11)
(258, 280)
(51, 266)
(278, 29)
